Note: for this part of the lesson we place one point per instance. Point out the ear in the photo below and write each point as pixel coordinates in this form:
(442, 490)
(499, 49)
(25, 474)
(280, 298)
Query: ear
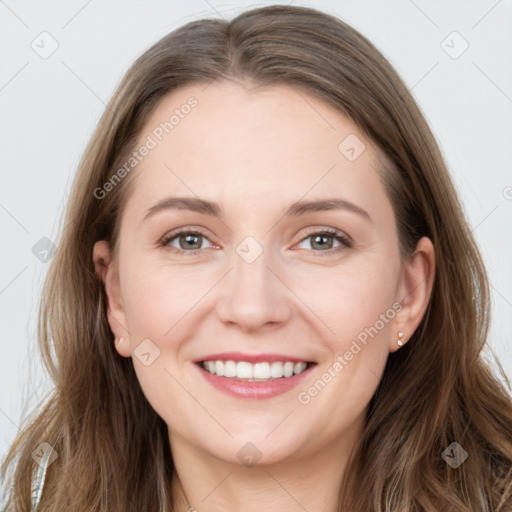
(107, 272)
(414, 291)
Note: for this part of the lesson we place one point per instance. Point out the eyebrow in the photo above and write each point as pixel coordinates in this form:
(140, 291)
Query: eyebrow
(298, 208)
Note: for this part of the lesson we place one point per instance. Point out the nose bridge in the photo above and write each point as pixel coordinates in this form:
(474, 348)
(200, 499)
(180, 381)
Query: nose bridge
(254, 295)
(251, 264)
(251, 275)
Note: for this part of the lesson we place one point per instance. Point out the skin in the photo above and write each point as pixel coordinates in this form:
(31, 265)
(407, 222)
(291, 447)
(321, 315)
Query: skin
(293, 299)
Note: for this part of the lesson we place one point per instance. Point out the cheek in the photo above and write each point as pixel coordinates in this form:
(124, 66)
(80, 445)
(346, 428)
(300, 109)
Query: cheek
(159, 305)
(156, 299)
(350, 300)
(356, 309)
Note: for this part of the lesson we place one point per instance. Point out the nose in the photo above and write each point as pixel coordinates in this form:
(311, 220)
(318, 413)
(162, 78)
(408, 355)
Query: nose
(255, 294)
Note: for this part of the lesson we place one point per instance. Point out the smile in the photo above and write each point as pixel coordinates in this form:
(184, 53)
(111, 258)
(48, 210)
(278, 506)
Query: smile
(258, 372)
(261, 380)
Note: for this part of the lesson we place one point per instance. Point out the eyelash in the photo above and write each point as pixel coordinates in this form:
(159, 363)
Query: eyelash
(337, 235)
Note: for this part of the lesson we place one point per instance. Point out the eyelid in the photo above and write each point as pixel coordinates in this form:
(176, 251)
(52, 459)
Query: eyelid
(331, 231)
(344, 239)
(171, 235)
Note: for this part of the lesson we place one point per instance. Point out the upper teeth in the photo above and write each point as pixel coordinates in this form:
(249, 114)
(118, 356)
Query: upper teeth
(245, 370)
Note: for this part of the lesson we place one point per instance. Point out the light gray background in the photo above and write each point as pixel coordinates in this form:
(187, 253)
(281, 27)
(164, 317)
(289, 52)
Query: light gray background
(50, 106)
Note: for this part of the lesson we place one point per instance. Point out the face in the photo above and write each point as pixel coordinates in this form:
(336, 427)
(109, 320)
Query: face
(264, 276)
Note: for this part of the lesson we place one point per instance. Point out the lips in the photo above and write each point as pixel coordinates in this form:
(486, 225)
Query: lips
(251, 358)
(256, 377)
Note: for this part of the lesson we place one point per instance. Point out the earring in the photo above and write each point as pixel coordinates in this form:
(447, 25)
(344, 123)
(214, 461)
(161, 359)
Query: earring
(400, 336)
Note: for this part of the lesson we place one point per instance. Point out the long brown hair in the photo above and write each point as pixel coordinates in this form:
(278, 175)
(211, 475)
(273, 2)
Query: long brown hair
(113, 449)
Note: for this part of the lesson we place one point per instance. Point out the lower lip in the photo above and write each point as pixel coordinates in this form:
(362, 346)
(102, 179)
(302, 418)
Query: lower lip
(254, 390)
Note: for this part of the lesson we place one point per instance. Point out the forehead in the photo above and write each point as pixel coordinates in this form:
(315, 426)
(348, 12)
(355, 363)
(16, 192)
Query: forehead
(235, 142)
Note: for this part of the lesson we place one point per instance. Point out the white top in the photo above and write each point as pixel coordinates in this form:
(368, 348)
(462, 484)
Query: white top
(38, 480)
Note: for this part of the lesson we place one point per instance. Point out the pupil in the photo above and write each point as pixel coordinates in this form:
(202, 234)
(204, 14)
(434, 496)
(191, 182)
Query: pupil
(322, 237)
(190, 238)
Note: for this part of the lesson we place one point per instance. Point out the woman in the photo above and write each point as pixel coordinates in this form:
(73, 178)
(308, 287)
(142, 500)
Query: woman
(266, 294)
